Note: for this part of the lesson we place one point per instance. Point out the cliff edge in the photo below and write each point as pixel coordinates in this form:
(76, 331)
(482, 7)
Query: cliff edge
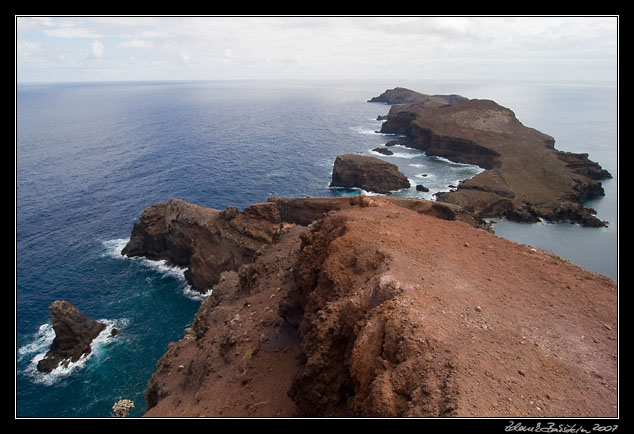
(374, 309)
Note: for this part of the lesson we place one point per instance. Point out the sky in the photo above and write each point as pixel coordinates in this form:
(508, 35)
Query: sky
(132, 48)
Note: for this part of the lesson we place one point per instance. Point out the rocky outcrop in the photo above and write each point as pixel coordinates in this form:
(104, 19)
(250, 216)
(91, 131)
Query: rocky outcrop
(204, 240)
(369, 173)
(208, 242)
(525, 177)
(305, 211)
(74, 333)
(401, 95)
(381, 311)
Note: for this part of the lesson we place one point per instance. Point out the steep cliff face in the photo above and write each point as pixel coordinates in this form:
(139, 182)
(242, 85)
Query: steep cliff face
(205, 240)
(525, 179)
(378, 310)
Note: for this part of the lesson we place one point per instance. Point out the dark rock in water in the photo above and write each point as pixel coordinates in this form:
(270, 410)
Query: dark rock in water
(368, 173)
(421, 187)
(74, 333)
(383, 151)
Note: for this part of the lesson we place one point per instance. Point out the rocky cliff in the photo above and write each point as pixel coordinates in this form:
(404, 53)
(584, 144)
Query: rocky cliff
(375, 309)
(525, 179)
(208, 242)
(205, 241)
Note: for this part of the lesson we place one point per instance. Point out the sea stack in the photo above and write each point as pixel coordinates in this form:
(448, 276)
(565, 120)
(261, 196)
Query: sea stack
(369, 173)
(74, 333)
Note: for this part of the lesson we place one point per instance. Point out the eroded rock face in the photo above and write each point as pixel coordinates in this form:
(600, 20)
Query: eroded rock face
(205, 240)
(369, 173)
(525, 177)
(74, 333)
(209, 242)
(397, 322)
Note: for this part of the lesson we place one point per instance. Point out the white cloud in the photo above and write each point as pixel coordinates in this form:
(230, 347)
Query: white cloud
(227, 56)
(336, 47)
(136, 43)
(96, 50)
(26, 48)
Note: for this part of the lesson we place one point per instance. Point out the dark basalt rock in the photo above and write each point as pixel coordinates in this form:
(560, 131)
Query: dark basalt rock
(206, 241)
(383, 151)
(369, 173)
(74, 333)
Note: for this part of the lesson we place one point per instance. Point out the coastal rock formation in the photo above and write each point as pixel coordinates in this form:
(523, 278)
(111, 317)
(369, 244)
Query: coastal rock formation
(74, 333)
(369, 173)
(305, 211)
(382, 311)
(208, 242)
(525, 177)
(401, 95)
(204, 240)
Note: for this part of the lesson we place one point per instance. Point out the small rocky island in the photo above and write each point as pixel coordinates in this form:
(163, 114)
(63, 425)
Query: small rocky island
(369, 173)
(525, 177)
(74, 333)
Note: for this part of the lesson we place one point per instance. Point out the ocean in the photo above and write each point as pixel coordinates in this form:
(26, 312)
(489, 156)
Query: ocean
(90, 157)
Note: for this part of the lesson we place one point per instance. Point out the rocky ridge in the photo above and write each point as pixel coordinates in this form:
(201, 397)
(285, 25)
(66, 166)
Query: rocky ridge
(208, 242)
(525, 177)
(374, 309)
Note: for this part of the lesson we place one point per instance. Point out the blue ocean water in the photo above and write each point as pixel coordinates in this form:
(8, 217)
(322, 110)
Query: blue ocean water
(91, 156)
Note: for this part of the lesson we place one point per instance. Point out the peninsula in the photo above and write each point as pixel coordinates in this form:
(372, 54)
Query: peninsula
(525, 177)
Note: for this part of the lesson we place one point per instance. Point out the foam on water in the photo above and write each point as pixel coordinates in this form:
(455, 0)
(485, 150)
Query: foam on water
(114, 248)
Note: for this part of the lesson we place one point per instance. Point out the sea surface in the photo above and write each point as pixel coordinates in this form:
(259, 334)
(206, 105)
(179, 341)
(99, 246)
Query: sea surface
(90, 157)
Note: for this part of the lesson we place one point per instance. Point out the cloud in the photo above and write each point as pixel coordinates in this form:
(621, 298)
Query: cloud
(136, 43)
(96, 50)
(338, 47)
(227, 56)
